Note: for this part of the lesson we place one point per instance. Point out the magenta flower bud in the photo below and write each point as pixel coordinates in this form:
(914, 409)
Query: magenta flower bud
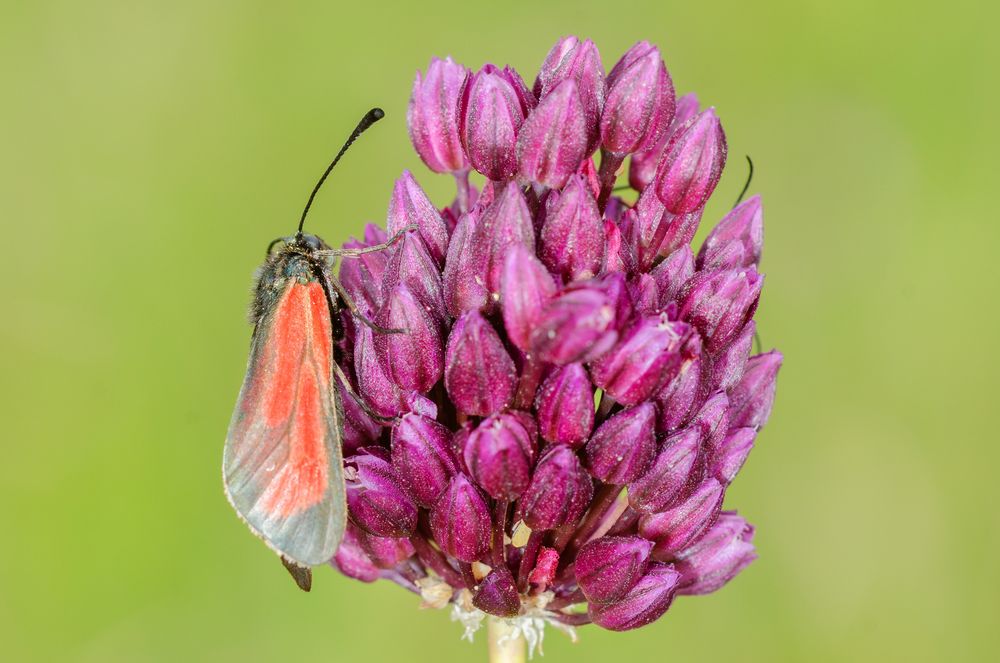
(460, 521)
(716, 558)
(525, 289)
(565, 406)
(608, 567)
(653, 231)
(352, 560)
(727, 460)
(618, 256)
(559, 492)
(675, 529)
(414, 359)
(553, 139)
(545, 569)
(497, 594)
(374, 384)
(375, 501)
(622, 448)
(692, 164)
(753, 397)
(640, 102)
(579, 61)
(491, 112)
(647, 356)
(479, 375)
(362, 275)
(572, 236)
(646, 602)
(728, 365)
(505, 223)
(712, 420)
(500, 453)
(465, 268)
(642, 169)
(408, 206)
(671, 274)
(422, 458)
(681, 397)
(385, 552)
(360, 430)
(669, 475)
(737, 240)
(432, 116)
(411, 264)
(645, 295)
(577, 325)
(719, 303)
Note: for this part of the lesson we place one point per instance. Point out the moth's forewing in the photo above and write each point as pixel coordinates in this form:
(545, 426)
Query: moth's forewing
(282, 464)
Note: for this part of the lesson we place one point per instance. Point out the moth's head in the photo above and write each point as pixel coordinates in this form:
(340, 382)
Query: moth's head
(298, 243)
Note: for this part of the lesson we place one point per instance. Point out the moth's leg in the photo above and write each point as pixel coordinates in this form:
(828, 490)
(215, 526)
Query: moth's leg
(339, 372)
(354, 253)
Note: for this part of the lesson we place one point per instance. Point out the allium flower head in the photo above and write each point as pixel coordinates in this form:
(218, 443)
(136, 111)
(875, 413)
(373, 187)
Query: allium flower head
(573, 389)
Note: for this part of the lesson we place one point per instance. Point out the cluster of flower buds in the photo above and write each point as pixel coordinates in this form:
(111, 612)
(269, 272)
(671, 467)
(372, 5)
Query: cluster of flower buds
(574, 389)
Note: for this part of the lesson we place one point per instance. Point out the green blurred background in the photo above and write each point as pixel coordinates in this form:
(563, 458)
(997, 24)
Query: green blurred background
(151, 150)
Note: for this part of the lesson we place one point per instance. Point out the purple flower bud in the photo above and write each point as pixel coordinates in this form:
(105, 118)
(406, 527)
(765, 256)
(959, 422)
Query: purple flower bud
(618, 256)
(479, 374)
(651, 231)
(580, 61)
(622, 448)
(692, 164)
(374, 385)
(351, 559)
(465, 268)
(736, 241)
(647, 356)
(559, 492)
(719, 303)
(385, 552)
(669, 476)
(375, 501)
(579, 324)
(716, 558)
(491, 112)
(422, 457)
(572, 237)
(683, 395)
(753, 397)
(414, 359)
(565, 406)
(497, 594)
(642, 169)
(553, 139)
(505, 223)
(728, 365)
(712, 420)
(732, 453)
(432, 116)
(671, 274)
(525, 289)
(608, 567)
(646, 602)
(411, 264)
(645, 295)
(362, 275)
(360, 430)
(640, 102)
(500, 453)
(409, 205)
(460, 521)
(675, 529)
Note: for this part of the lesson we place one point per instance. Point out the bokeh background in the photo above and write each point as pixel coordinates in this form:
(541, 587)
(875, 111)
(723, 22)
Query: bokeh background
(150, 151)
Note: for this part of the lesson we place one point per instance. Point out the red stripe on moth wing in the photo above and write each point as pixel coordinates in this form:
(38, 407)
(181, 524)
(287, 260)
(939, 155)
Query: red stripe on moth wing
(302, 480)
(322, 333)
(287, 341)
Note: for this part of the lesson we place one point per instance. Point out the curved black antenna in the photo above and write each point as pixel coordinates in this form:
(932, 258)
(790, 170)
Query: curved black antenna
(370, 118)
(747, 185)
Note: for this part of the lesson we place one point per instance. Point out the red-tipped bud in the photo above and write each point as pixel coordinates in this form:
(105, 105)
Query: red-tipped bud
(622, 448)
(565, 406)
(479, 375)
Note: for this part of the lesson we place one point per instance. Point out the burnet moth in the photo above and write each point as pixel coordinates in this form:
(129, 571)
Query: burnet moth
(282, 464)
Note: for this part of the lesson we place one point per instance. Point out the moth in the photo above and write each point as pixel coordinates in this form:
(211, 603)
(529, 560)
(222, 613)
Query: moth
(282, 463)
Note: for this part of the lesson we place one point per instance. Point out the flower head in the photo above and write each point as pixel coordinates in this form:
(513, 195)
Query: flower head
(573, 391)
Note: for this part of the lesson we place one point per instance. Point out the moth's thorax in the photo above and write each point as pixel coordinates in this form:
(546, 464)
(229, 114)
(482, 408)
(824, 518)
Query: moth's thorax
(294, 262)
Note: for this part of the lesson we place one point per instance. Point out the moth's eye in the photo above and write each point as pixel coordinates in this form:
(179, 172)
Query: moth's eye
(312, 242)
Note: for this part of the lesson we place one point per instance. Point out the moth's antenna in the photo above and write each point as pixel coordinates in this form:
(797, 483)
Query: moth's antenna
(747, 185)
(370, 118)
